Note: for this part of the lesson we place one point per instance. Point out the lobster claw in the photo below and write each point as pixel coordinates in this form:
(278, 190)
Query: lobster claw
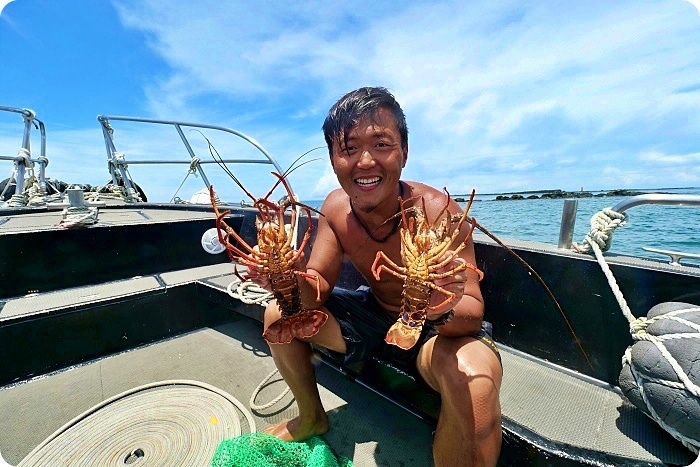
(403, 335)
(304, 324)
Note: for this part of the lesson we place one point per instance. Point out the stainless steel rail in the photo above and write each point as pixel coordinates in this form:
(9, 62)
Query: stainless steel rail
(117, 162)
(569, 214)
(657, 198)
(23, 160)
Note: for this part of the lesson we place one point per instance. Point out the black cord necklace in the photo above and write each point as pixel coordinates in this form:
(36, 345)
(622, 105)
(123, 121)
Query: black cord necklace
(397, 221)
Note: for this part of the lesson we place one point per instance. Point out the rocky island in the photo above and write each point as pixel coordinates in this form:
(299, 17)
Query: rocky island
(558, 194)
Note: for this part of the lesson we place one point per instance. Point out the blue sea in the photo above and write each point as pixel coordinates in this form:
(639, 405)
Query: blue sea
(674, 228)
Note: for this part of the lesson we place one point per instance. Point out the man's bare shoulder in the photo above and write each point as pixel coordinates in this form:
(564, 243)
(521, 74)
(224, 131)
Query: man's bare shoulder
(427, 191)
(433, 198)
(335, 204)
(431, 195)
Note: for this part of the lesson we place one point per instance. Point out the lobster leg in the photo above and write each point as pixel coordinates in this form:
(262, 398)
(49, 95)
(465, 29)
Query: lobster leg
(377, 268)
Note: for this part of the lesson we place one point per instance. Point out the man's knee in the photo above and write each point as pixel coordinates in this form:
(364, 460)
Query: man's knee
(471, 382)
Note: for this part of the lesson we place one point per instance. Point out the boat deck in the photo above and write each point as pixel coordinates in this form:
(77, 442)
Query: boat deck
(232, 357)
(552, 405)
(559, 406)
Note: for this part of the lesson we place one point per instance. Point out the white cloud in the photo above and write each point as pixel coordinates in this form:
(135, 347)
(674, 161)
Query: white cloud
(499, 95)
(670, 159)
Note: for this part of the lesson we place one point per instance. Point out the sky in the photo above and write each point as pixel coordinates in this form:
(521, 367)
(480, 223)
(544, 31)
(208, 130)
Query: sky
(500, 96)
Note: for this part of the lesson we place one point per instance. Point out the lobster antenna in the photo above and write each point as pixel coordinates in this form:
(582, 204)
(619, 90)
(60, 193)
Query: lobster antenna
(474, 222)
(292, 168)
(292, 201)
(219, 160)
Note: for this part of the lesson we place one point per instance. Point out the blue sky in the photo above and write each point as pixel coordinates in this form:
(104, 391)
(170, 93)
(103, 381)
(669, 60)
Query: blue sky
(499, 95)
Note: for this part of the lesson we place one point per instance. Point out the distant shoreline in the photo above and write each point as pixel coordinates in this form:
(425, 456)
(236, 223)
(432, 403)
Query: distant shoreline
(560, 194)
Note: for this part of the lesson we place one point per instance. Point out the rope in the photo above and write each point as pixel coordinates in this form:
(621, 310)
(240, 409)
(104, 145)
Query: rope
(17, 200)
(78, 217)
(251, 293)
(192, 171)
(638, 330)
(174, 422)
(113, 192)
(37, 193)
(603, 224)
(259, 408)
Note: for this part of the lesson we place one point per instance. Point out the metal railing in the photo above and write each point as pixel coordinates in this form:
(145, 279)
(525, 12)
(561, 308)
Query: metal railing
(118, 163)
(23, 161)
(566, 230)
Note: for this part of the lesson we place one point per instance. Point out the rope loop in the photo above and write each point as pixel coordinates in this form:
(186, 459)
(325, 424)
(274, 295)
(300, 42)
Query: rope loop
(194, 163)
(120, 159)
(603, 225)
(249, 293)
(23, 157)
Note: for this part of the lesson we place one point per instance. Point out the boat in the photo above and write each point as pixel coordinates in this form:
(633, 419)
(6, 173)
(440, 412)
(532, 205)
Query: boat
(113, 308)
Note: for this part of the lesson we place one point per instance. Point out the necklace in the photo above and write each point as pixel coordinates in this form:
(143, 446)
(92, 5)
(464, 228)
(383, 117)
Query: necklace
(397, 221)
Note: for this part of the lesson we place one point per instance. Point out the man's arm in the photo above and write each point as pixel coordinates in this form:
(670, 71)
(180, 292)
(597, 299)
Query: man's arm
(326, 259)
(468, 304)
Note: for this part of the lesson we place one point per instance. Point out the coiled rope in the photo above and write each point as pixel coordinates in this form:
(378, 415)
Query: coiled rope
(78, 216)
(175, 422)
(249, 293)
(598, 240)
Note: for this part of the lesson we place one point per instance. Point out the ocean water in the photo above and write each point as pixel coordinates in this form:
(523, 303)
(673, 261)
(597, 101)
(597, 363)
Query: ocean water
(675, 228)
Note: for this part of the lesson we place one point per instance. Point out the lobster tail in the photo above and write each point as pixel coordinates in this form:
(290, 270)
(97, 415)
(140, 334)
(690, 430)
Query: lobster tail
(402, 335)
(304, 324)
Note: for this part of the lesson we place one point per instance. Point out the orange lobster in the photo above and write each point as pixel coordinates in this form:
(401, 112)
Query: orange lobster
(274, 260)
(424, 250)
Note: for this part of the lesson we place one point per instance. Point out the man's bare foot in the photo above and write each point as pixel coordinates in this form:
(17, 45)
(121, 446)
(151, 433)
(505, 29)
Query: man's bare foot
(295, 430)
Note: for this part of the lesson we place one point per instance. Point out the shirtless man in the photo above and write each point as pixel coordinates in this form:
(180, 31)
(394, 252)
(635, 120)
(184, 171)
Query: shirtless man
(367, 140)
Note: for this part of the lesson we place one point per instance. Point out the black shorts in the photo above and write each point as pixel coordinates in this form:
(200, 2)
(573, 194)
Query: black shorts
(364, 324)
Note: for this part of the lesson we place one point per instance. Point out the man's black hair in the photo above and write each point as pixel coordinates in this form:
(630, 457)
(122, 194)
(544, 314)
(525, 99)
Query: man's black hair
(355, 105)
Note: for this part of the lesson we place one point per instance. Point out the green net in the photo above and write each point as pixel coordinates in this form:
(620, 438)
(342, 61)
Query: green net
(263, 450)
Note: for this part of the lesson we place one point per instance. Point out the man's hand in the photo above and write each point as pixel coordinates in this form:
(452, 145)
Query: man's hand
(254, 276)
(453, 283)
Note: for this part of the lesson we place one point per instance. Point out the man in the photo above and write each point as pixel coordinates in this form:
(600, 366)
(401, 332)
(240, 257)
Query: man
(367, 140)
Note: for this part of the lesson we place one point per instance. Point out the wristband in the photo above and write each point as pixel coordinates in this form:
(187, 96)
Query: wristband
(444, 319)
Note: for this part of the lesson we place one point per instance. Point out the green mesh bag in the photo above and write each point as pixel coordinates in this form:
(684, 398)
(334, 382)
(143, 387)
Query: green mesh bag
(263, 450)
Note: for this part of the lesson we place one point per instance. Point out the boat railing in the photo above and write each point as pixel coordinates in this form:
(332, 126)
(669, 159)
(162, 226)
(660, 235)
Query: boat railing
(118, 163)
(688, 200)
(23, 161)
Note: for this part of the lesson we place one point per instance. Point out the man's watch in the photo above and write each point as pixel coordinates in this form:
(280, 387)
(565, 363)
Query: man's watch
(444, 319)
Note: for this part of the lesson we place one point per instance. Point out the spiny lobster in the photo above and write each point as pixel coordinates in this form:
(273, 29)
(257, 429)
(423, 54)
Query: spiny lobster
(424, 251)
(274, 258)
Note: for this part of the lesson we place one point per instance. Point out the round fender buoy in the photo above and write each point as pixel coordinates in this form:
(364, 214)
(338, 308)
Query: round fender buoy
(8, 190)
(660, 374)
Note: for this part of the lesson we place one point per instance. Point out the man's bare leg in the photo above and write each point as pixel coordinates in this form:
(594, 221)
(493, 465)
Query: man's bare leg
(468, 376)
(294, 362)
